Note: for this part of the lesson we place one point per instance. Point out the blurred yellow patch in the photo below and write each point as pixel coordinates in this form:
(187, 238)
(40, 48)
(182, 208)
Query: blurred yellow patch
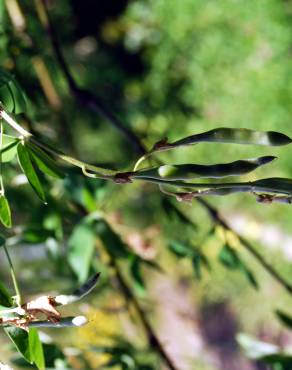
(100, 331)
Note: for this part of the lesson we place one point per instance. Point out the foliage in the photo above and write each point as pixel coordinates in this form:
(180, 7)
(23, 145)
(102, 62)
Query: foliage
(77, 195)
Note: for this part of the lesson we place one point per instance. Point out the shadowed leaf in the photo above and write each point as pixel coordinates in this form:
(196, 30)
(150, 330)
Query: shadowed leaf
(5, 297)
(11, 94)
(28, 169)
(284, 318)
(44, 162)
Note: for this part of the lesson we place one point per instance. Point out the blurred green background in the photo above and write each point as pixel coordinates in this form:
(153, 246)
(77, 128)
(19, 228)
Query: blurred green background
(167, 68)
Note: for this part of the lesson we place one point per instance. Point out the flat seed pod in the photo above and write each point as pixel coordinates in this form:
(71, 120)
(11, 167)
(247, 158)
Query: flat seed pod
(192, 171)
(276, 184)
(229, 135)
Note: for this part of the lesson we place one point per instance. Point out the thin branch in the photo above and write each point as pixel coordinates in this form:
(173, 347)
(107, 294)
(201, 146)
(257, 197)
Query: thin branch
(83, 96)
(211, 210)
(152, 337)
(217, 218)
(91, 101)
(13, 123)
(13, 277)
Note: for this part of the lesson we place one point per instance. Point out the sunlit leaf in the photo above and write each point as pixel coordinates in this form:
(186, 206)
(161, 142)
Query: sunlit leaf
(9, 147)
(28, 169)
(5, 213)
(28, 345)
(53, 355)
(36, 349)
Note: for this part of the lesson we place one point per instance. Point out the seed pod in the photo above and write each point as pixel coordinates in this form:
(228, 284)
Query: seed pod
(276, 184)
(192, 171)
(232, 136)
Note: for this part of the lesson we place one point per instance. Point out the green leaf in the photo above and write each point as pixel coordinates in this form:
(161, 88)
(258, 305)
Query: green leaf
(229, 135)
(81, 249)
(53, 355)
(5, 297)
(36, 349)
(5, 213)
(249, 275)
(230, 259)
(284, 318)
(28, 345)
(2, 240)
(28, 169)
(192, 171)
(180, 249)
(9, 147)
(176, 214)
(20, 339)
(44, 162)
(11, 95)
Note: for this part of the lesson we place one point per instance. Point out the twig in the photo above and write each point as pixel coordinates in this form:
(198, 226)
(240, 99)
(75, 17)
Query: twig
(62, 323)
(211, 210)
(87, 98)
(83, 96)
(13, 276)
(217, 218)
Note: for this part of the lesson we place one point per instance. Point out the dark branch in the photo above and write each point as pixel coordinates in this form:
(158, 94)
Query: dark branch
(152, 338)
(83, 96)
(130, 298)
